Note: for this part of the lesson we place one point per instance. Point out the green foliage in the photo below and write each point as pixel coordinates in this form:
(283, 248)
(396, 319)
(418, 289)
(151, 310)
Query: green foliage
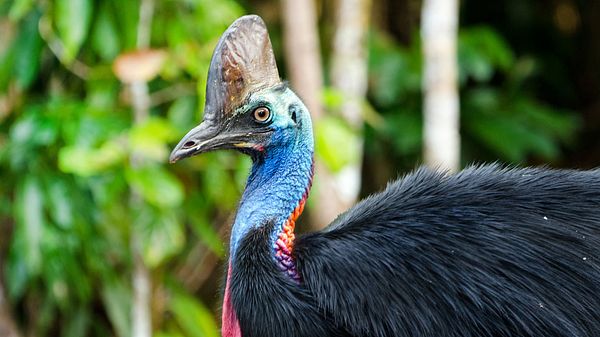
(193, 319)
(336, 143)
(517, 128)
(500, 118)
(68, 188)
(482, 52)
(72, 19)
(27, 51)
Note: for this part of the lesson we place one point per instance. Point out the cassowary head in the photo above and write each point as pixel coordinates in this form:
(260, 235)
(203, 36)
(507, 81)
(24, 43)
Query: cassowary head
(247, 107)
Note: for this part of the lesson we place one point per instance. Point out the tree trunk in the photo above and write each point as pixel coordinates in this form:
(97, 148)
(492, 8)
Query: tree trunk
(349, 75)
(141, 324)
(441, 102)
(8, 327)
(301, 41)
(302, 52)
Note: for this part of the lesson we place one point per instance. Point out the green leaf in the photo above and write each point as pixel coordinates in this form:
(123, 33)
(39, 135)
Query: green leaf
(105, 37)
(405, 129)
(187, 55)
(161, 235)
(208, 235)
(89, 161)
(116, 298)
(7, 56)
(483, 98)
(242, 167)
(511, 139)
(394, 72)
(182, 113)
(29, 209)
(156, 185)
(201, 225)
(29, 132)
(193, 318)
(78, 323)
(476, 66)
(213, 16)
(63, 268)
(336, 144)
(332, 98)
(168, 334)
(108, 189)
(86, 127)
(34, 128)
(17, 272)
(72, 18)
(127, 15)
(150, 138)
(60, 204)
(28, 49)
(500, 139)
(102, 94)
(554, 123)
(482, 51)
(20, 8)
(219, 186)
(17, 275)
(47, 311)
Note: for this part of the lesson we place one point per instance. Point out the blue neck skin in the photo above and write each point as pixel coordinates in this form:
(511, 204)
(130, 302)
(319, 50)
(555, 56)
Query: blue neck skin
(278, 180)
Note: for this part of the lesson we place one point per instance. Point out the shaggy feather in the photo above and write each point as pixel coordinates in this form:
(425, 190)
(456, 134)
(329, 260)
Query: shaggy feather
(489, 251)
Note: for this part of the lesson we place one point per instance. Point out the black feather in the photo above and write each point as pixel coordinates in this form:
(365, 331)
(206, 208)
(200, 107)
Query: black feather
(268, 302)
(486, 252)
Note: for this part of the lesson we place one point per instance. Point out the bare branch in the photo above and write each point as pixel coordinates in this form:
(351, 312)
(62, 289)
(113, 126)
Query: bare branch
(172, 93)
(76, 67)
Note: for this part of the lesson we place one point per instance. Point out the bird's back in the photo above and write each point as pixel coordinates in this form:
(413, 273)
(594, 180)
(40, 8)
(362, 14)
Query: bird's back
(487, 252)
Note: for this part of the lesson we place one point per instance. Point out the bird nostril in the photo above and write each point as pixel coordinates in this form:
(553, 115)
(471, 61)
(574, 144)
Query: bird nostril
(189, 144)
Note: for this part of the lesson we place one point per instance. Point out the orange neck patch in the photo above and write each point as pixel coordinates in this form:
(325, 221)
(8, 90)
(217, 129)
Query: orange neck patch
(285, 242)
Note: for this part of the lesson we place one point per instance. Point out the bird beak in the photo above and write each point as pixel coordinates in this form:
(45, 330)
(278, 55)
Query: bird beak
(202, 138)
(209, 137)
(242, 63)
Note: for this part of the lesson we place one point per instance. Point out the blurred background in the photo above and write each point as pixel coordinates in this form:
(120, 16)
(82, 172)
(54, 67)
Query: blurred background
(99, 236)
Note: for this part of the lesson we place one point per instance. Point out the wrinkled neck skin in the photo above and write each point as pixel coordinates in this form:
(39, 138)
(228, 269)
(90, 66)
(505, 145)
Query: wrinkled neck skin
(279, 180)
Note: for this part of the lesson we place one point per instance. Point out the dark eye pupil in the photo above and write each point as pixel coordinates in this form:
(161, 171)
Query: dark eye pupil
(261, 114)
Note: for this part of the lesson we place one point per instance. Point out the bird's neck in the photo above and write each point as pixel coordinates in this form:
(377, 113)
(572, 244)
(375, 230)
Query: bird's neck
(275, 193)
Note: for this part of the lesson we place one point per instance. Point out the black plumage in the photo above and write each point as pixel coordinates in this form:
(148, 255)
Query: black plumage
(487, 252)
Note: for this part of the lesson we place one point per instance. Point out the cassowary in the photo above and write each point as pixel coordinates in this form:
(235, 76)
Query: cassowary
(490, 251)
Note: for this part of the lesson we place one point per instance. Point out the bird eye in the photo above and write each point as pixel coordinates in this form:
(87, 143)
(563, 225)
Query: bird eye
(262, 114)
